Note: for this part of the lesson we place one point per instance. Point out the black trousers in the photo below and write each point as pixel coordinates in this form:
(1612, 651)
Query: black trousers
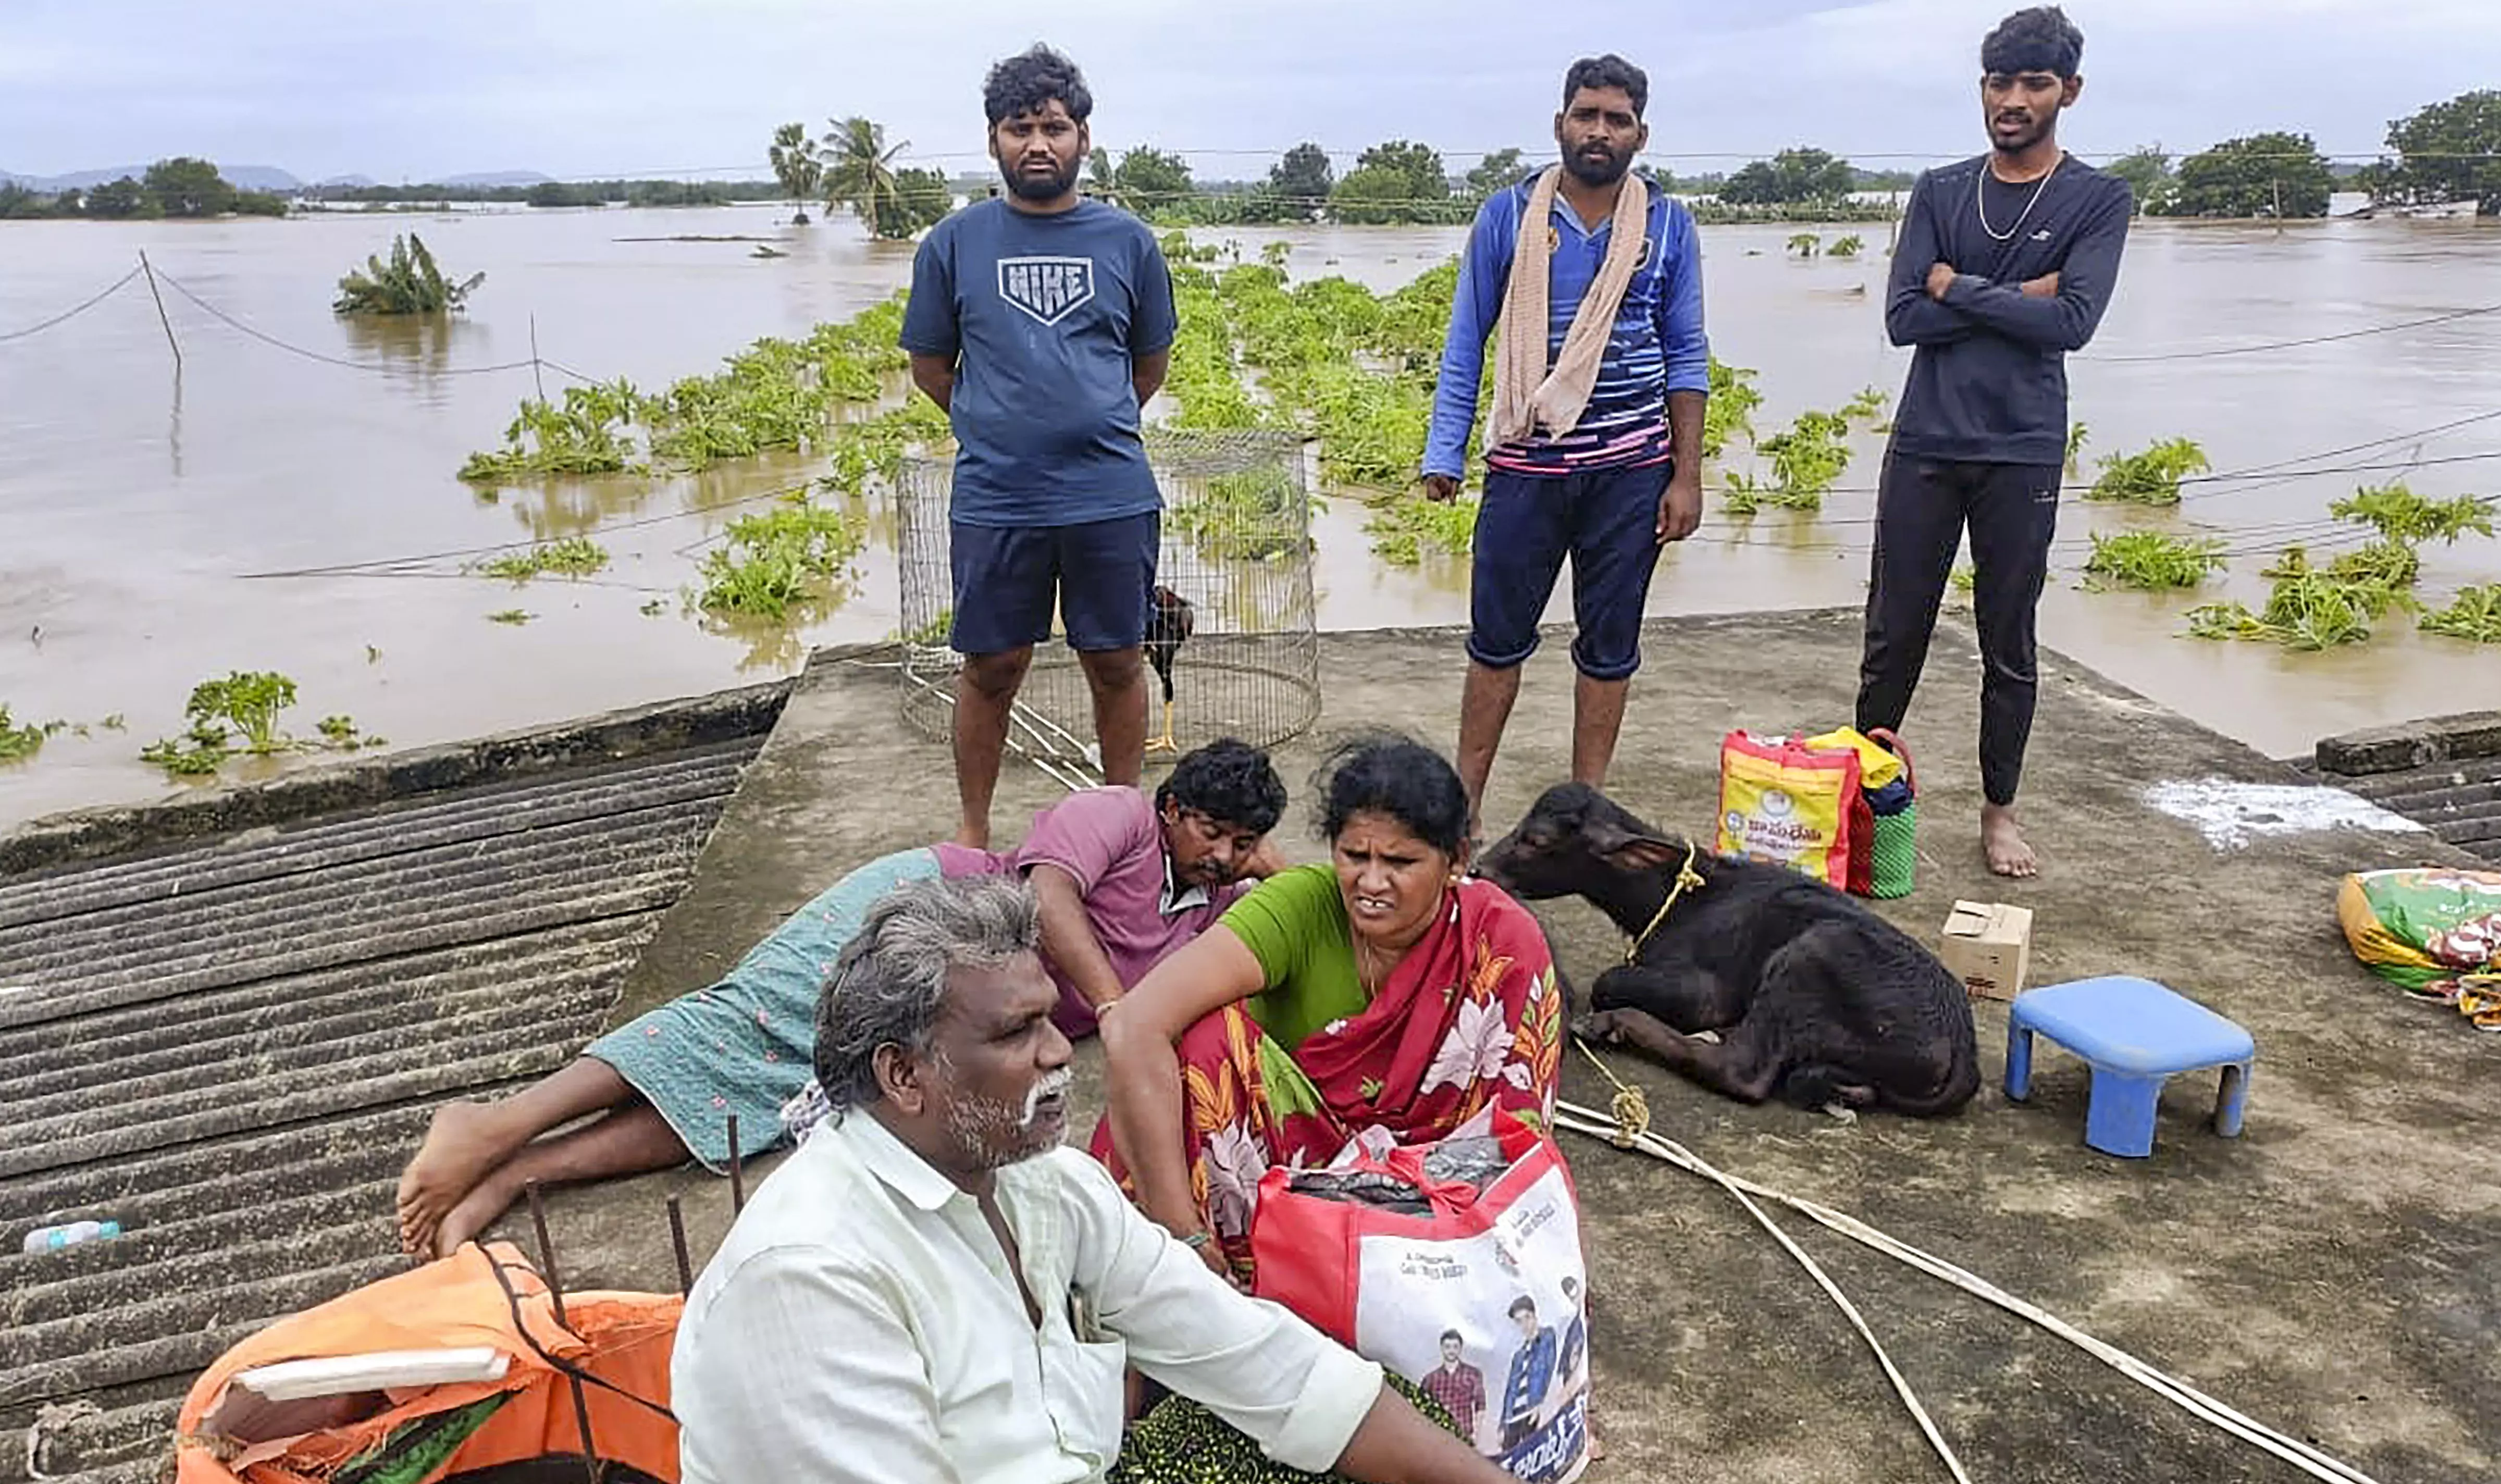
(1922, 507)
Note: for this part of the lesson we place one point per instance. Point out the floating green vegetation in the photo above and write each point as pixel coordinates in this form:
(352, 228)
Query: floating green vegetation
(2475, 616)
(1805, 244)
(19, 743)
(2077, 433)
(1734, 396)
(655, 607)
(776, 395)
(2398, 513)
(1847, 246)
(2152, 561)
(1402, 529)
(1963, 579)
(1248, 517)
(589, 433)
(572, 557)
(774, 560)
(2314, 608)
(408, 284)
(238, 715)
(1866, 407)
(515, 617)
(1807, 459)
(2149, 478)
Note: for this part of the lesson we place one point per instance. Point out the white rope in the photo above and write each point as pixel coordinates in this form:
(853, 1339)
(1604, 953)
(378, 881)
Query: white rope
(1570, 1117)
(2189, 1398)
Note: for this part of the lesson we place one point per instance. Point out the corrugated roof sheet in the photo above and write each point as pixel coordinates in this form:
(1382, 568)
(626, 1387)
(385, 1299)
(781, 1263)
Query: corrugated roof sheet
(231, 1049)
(2460, 801)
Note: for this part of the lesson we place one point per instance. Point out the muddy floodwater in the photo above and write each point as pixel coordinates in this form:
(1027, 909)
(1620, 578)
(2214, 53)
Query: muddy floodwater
(264, 509)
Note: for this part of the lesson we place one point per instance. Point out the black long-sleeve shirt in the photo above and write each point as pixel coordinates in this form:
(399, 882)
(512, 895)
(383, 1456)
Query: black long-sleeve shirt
(1988, 381)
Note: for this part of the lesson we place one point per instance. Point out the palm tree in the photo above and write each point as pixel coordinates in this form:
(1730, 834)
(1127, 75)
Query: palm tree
(796, 166)
(859, 171)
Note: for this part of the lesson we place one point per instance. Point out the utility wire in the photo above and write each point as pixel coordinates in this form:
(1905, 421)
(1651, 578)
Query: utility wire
(178, 287)
(2287, 344)
(75, 310)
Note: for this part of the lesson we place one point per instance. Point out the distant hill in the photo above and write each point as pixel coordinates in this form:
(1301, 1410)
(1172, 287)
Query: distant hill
(493, 178)
(243, 176)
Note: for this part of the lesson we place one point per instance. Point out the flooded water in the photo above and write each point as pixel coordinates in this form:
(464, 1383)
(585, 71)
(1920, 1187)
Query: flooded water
(266, 510)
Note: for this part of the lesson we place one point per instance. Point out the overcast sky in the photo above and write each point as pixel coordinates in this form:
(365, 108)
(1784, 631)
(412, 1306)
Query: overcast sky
(593, 87)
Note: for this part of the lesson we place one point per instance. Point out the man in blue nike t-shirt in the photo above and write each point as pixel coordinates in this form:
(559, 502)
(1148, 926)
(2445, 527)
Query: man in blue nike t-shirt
(1043, 324)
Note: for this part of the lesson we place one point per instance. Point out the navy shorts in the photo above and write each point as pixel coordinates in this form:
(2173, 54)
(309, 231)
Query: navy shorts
(1606, 521)
(1100, 575)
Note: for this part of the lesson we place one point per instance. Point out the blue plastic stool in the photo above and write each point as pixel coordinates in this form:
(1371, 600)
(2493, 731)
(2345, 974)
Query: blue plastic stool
(2134, 1034)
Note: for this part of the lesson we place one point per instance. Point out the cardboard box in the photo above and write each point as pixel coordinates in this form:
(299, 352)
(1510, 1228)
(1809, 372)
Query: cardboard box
(1988, 947)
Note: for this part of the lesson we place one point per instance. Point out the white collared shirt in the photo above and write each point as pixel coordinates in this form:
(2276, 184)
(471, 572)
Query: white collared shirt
(860, 1324)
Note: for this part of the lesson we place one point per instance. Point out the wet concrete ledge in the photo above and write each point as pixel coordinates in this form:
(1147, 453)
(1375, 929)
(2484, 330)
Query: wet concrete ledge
(329, 787)
(2466, 736)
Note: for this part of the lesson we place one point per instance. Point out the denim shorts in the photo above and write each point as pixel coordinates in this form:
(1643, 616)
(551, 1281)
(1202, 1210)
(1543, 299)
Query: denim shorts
(1606, 521)
(1100, 576)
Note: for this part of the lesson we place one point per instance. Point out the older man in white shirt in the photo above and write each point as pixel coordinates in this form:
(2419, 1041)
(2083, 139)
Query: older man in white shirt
(931, 1288)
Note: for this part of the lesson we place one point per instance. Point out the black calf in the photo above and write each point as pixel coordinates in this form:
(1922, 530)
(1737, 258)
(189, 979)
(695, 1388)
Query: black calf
(1815, 999)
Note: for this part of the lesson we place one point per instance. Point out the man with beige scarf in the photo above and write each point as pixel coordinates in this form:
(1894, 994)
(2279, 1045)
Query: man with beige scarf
(1591, 277)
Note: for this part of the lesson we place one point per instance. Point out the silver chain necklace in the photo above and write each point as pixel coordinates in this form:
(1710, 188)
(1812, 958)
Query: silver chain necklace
(1980, 201)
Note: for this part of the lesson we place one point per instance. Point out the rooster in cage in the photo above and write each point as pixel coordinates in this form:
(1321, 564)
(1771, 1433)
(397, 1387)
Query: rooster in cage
(1169, 621)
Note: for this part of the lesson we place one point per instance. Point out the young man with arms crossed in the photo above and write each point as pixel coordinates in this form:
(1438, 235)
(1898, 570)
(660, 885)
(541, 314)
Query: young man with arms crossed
(2005, 264)
(1592, 277)
(1043, 324)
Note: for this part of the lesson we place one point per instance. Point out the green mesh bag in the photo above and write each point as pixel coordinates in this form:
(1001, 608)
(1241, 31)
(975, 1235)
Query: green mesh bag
(1896, 867)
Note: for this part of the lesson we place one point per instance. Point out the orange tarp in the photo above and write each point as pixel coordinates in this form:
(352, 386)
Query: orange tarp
(619, 1338)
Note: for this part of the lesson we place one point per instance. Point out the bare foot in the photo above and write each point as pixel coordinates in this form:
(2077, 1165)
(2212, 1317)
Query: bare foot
(463, 1145)
(2002, 839)
(477, 1210)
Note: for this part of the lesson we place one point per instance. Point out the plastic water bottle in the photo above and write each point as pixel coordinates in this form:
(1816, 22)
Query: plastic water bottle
(53, 1238)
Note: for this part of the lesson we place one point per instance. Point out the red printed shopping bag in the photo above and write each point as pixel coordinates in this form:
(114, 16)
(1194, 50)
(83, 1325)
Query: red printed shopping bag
(1475, 1288)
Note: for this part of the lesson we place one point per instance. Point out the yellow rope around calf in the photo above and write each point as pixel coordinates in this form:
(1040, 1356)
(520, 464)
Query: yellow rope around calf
(1629, 1114)
(1686, 877)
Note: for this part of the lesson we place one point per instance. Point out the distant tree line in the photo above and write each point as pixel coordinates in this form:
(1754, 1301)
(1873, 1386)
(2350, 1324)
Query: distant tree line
(2439, 154)
(180, 187)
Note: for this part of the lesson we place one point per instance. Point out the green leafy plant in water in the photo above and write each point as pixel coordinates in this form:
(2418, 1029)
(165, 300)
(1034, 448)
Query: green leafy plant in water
(243, 706)
(1405, 529)
(1745, 494)
(2077, 433)
(572, 557)
(1734, 396)
(2315, 608)
(2149, 478)
(774, 560)
(1847, 246)
(2475, 615)
(1807, 459)
(1964, 580)
(408, 284)
(1247, 516)
(2152, 561)
(588, 433)
(2400, 515)
(19, 743)
(512, 616)
(1866, 406)
(1806, 244)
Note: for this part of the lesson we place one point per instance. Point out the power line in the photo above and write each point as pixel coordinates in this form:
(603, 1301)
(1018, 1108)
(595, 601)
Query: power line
(2287, 344)
(75, 310)
(185, 290)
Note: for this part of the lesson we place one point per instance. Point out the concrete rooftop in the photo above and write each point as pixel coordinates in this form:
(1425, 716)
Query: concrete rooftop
(2335, 1274)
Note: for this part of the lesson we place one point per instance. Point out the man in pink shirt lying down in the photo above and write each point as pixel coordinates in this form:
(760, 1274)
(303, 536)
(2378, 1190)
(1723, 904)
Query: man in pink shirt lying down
(1123, 879)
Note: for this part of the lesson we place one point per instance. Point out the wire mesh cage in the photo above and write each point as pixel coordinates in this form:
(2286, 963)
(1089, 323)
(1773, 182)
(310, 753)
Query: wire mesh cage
(1233, 640)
